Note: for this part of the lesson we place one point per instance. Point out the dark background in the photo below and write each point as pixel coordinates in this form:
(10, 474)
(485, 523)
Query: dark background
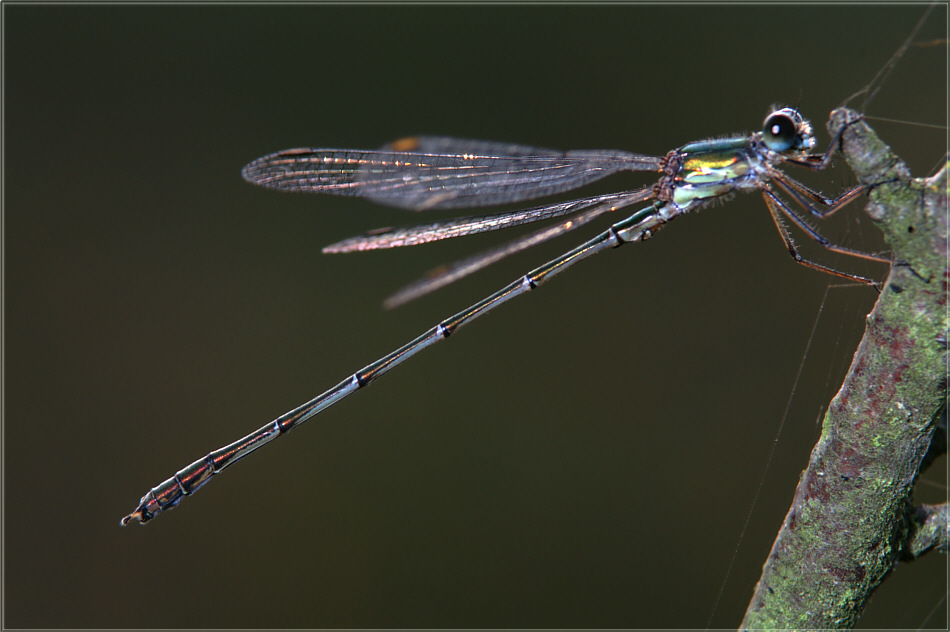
(584, 457)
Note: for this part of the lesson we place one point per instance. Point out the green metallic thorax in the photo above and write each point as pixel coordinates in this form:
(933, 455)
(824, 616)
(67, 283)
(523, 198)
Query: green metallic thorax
(713, 168)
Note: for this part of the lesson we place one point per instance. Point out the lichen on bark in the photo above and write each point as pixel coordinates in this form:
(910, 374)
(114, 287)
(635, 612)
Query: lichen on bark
(852, 516)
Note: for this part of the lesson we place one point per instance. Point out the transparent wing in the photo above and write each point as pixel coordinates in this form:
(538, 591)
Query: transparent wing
(446, 274)
(458, 227)
(430, 172)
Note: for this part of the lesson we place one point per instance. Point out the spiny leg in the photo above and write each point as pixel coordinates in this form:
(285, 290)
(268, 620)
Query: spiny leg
(820, 162)
(776, 210)
(803, 195)
(821, 239)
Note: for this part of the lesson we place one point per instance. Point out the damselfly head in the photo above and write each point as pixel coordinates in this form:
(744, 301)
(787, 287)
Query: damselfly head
(786, 130)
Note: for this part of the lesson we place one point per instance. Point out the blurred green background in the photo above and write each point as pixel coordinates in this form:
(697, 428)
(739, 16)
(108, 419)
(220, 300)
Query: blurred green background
(587, 456)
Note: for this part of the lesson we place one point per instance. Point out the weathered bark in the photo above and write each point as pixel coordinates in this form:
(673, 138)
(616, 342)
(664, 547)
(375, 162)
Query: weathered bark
(852, 517)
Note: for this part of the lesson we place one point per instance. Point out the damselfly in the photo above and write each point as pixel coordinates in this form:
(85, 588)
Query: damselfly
(439, 173)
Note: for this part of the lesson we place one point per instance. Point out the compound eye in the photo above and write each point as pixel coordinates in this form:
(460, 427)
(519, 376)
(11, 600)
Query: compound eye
(780, 132)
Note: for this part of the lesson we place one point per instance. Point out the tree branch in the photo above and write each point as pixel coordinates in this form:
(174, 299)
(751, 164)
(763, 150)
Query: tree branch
(928, 531)
(851, 517)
